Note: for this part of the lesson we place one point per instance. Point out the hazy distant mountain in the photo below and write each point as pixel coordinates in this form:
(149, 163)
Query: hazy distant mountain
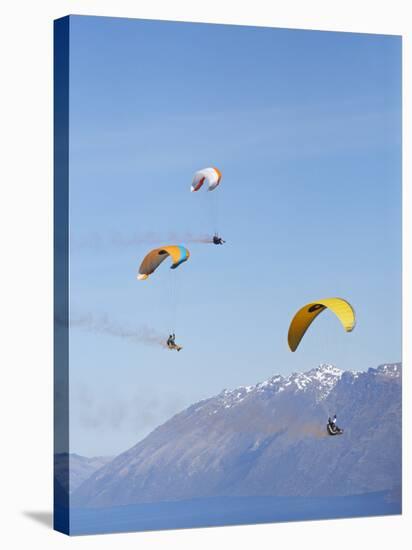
(80, 468)
(266, 440)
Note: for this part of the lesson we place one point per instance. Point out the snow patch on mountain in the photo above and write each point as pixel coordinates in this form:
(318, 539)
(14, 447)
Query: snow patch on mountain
(320, 380)
(391, 370)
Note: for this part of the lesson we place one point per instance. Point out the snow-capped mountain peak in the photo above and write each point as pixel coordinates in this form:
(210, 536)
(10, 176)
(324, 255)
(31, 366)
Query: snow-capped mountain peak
(320, 380)
(390, 370)
(257, 440)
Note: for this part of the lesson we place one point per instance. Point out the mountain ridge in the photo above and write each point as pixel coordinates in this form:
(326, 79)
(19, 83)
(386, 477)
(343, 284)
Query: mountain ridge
(71, 469)
(266, 439)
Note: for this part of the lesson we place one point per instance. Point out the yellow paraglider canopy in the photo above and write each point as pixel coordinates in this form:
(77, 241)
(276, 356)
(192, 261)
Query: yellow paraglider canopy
(305, 316)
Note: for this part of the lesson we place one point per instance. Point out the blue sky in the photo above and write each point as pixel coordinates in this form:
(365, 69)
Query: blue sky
(306, 128)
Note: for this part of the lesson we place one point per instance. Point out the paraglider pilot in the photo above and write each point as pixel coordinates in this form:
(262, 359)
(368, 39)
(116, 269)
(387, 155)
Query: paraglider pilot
(217, 239)
(171, 344)
(332, 422)
(333, 427)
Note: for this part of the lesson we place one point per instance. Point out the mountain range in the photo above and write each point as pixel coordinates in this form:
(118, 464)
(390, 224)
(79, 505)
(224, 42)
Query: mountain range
(269, 439)
(71, 469)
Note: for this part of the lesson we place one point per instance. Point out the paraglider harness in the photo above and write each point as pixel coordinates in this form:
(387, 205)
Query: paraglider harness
(333, 428)
(217, 239)
(171, 344)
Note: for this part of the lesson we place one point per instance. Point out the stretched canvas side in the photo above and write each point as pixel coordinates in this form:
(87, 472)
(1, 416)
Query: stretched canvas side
(61, 275)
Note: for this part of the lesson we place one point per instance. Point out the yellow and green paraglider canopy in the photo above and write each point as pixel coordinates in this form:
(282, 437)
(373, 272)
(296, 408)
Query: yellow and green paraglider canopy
(306, 315)
(154, 258)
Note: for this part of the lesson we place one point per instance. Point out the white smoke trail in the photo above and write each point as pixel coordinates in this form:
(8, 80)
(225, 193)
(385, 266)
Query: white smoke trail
(97, 242)
(104, 325)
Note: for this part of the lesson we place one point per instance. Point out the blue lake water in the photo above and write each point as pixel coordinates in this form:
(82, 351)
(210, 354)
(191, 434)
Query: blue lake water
(208, 512)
